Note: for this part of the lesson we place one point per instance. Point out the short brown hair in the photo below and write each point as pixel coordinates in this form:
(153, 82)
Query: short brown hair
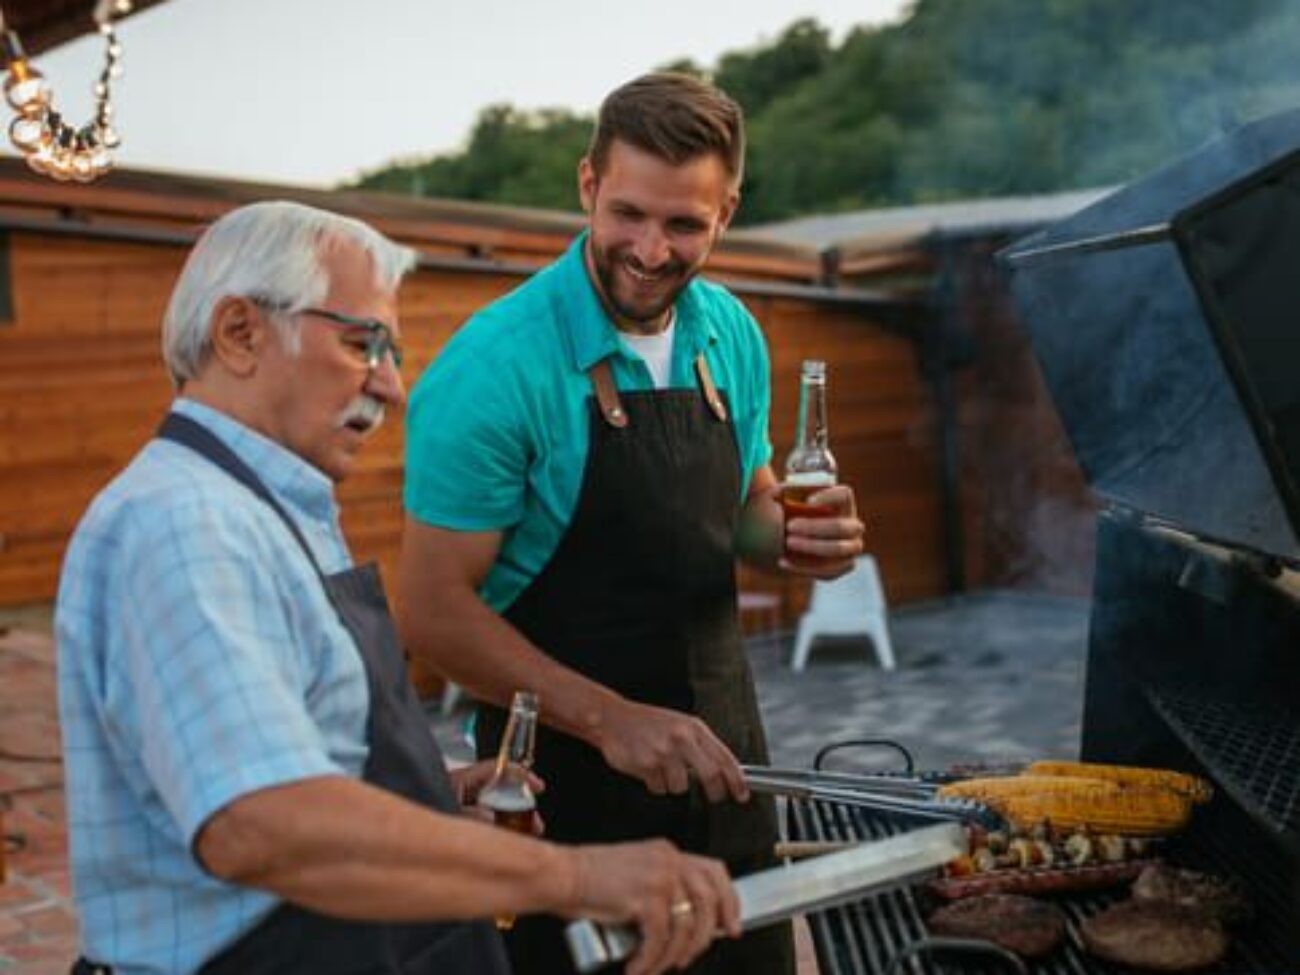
(674, 116)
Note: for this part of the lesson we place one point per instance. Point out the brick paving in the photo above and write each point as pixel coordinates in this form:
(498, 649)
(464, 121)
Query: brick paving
(38, 934)
(989, 677)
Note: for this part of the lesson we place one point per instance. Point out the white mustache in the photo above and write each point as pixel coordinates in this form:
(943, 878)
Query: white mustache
(365, 411)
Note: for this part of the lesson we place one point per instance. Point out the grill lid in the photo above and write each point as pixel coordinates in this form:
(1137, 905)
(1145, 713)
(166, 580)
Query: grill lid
(1166, 319)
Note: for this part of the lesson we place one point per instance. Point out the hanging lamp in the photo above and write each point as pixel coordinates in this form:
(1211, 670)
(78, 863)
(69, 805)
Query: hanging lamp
(51, 146)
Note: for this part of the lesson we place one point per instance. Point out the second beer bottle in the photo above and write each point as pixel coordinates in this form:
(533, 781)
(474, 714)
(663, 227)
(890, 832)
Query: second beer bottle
(508, 793)
(811, 465)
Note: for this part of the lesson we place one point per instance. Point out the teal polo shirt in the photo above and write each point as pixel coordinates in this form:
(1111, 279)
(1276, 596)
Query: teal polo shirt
(497, 428)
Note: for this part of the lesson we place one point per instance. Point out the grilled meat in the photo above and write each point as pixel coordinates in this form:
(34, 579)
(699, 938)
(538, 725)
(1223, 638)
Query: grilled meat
(1026, 926)
(1039, 880)
(1155, 935)
(1220, 897)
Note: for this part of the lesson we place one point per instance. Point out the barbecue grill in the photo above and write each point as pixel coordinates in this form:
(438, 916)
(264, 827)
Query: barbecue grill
(1166, 320)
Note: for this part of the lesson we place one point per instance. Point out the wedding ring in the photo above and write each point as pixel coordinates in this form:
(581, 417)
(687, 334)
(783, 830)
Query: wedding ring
(682, 909)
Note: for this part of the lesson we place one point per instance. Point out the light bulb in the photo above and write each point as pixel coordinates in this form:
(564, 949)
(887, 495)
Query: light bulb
(101, 161)
(83, 167)
(61, 165)
(27, 90)
(28, 134)
(41, 160)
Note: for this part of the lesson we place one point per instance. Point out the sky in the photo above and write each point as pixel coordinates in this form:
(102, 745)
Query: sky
(305, 92)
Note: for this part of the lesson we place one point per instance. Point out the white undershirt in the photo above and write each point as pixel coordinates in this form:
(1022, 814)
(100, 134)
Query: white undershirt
(656, 351)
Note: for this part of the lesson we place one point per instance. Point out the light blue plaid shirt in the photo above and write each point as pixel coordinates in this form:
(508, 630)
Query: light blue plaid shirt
(199, 661)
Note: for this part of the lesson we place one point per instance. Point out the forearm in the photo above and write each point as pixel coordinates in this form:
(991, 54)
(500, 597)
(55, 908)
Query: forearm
(301, 842)
(478, 649)
(760, 530)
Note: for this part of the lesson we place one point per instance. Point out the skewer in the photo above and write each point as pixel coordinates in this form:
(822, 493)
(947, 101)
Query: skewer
(800, 849)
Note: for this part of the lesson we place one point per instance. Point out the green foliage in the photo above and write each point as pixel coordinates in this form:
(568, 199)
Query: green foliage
(516, 157)
(960, 99)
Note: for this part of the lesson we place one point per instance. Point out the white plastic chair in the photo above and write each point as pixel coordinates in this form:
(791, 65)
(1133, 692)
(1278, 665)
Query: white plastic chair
(851, 605)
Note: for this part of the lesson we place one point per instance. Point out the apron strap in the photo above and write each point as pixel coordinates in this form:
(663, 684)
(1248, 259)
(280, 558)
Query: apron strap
(710, 388)
(182, 430)
(611, 408)
(602, 379)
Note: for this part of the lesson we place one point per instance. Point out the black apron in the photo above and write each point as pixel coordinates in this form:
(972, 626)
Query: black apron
(403, 759)
(640, 596)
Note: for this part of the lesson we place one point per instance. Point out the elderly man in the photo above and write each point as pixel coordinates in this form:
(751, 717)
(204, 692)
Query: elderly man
(585, 461)
(251, 784)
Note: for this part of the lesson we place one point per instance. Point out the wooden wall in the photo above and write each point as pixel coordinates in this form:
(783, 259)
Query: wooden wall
(82, 387)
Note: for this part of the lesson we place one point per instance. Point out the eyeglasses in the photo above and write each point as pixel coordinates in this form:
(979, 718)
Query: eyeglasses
(379, 342)
(379, 338)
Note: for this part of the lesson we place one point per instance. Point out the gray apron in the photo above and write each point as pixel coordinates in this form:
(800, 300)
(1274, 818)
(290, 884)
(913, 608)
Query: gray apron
(403, 759)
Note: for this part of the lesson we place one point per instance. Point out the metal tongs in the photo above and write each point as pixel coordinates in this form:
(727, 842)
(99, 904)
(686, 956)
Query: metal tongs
(782, 892)
(901, 794)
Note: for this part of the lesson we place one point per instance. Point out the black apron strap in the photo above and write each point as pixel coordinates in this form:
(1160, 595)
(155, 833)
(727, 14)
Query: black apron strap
(182, 430)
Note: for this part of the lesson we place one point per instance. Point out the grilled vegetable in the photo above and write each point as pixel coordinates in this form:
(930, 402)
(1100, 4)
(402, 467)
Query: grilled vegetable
(1192, 786)
(1111, 849)
(1070, 803)
(1079, 848)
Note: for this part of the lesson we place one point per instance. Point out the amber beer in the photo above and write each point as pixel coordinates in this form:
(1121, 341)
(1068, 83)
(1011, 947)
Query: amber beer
(511, 809)
(508, 793)
(811, 466)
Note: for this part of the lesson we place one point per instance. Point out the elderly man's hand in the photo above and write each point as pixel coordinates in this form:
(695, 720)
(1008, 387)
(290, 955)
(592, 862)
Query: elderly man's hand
(826, 547)
(665, 749)
(469, 780)
(679, 902)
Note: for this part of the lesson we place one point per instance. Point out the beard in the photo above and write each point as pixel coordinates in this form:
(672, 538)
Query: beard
(633, 292)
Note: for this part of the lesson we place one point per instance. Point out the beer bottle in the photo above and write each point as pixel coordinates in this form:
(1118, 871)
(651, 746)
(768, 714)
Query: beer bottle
(810, 467)
(508, 793)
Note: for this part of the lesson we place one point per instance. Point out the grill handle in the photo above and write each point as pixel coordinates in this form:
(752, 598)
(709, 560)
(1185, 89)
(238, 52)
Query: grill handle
(969, 946)
(908, 768)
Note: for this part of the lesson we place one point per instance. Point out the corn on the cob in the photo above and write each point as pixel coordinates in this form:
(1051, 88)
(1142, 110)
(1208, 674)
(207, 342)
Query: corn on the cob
(1193, 786)
(1070, 803)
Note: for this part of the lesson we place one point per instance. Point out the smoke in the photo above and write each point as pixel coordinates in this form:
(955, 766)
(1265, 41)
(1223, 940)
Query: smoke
(1031, 97)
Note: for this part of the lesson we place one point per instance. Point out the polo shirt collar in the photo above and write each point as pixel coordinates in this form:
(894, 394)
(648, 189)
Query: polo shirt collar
(591, 334)
(287, 475)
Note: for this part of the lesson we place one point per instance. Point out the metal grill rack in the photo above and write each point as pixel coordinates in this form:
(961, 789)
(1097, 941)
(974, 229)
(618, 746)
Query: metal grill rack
(865, 937)
(1255, 754)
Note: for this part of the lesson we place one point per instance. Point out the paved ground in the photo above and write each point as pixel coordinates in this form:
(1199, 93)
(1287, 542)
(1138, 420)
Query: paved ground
(988, 677)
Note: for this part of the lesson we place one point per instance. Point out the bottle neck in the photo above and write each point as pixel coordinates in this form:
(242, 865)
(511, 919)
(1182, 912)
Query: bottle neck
(813, 432)
(519, 738)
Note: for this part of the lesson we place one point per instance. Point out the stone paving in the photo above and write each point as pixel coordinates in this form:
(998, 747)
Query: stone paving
(989, 677)
(37, 926)
(986, 678)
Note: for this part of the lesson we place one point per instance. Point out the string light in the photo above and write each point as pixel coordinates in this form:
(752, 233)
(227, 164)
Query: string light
(50, 145)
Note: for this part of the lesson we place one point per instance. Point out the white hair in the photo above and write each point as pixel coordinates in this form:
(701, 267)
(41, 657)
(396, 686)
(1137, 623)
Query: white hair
(270, 252)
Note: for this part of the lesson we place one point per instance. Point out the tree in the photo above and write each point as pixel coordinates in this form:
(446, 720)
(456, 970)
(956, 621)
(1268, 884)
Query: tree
(958, 100)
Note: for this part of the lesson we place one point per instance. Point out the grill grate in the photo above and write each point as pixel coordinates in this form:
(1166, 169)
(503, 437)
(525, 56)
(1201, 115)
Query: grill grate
(1254, 753)
(862, 938)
